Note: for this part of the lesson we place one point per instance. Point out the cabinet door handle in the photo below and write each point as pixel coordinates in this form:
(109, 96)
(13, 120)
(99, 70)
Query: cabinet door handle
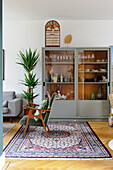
(43, 83)
(108, 83)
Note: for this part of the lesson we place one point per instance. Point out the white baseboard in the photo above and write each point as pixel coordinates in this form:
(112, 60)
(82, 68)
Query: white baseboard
(2, 160)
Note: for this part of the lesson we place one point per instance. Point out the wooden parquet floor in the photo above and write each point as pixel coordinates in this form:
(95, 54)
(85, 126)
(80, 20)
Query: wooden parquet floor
(105, 134)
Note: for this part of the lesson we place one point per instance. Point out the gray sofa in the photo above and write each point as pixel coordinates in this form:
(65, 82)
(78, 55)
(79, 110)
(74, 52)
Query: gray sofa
(12, 106)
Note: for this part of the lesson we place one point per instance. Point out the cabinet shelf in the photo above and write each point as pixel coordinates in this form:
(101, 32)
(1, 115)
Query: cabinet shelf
(92, 71)
(59, 82)
(92, 82)
(57, 63)
(92, 63)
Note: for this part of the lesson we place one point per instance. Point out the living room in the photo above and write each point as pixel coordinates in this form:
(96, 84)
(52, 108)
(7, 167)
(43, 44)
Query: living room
(90, 25)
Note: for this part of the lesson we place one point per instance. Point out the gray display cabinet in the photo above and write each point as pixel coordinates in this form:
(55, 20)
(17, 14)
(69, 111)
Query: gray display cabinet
(81, 77)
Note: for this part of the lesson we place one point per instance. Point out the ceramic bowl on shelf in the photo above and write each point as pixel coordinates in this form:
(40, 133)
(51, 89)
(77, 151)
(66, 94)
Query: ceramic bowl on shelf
(95, 70)
(102, 60)
(97, 60)
(87, 69)
(102, 69)
(106, 80)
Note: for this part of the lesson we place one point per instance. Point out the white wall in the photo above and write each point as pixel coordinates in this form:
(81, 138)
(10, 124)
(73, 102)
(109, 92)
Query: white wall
(22, 35)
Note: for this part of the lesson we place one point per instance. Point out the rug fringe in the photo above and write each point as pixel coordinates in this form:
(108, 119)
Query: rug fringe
(61, 158)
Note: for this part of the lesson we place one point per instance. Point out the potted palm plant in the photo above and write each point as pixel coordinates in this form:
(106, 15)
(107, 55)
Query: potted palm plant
(28, 60)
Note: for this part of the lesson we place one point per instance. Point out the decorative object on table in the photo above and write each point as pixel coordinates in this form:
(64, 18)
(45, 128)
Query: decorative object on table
(67, 140)
(92, 96)
(100, 94)
(7, 128)
(110, 120)
(68, 39)
(52, 34)
(29, 60)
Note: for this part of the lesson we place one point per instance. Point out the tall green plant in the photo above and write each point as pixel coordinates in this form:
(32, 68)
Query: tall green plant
(30, 81)
(28, 60)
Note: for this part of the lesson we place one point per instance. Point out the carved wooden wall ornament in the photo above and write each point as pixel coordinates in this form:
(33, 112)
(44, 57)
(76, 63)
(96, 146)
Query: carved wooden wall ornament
(52, 34)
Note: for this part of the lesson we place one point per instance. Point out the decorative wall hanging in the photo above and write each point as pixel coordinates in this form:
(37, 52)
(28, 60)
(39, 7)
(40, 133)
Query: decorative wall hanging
(68, 39)
(52, 34)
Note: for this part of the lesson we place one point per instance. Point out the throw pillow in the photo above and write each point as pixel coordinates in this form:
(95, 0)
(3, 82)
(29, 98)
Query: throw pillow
(51, 100)
(42, 106)
(47, 103)
(5, 103)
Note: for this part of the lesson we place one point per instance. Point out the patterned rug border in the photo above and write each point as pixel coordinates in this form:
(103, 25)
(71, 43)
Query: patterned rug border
(63, 158)
(99, 140)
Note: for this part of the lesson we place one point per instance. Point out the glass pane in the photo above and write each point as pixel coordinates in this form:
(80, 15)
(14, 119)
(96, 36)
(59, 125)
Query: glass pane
(80, 76)
(59, 74)
(92, 75)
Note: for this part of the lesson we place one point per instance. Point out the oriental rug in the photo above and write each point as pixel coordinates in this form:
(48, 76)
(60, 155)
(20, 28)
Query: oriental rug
(67, 140)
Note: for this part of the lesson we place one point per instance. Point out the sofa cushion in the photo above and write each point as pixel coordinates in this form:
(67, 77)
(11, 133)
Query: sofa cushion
(32, 122)
(5, 110)
(5, 103)
(43, 105)
(8, 95)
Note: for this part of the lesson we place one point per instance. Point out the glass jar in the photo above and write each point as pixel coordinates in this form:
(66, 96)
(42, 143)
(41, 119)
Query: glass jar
(100, 94)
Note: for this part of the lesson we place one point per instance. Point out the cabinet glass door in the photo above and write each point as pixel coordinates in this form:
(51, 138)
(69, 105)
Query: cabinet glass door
(59, 73)
(92, 74)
